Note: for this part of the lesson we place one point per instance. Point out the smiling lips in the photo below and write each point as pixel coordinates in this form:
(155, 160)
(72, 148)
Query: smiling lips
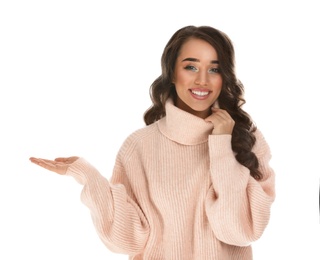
(200, 94)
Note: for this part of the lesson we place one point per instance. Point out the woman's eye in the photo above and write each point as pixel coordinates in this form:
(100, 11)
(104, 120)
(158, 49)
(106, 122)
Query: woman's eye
(214, 70)
(189, 67)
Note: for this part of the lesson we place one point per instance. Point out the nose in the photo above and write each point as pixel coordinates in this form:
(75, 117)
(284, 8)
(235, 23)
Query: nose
(201, 79)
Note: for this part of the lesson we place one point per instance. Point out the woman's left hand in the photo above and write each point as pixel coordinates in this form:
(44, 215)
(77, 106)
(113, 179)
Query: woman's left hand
(221, 120)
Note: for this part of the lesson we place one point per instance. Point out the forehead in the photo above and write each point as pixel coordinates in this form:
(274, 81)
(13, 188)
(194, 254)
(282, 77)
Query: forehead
(197, 48)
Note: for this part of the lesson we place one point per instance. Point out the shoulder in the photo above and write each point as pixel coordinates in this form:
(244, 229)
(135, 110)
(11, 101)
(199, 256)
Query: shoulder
(261, 146)
(138, 139)
(142, 134)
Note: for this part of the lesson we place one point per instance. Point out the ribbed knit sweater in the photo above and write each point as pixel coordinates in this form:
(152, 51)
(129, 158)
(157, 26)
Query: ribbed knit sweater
(178, 193)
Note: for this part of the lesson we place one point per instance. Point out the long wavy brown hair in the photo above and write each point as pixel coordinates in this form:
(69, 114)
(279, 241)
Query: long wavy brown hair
(231, 97)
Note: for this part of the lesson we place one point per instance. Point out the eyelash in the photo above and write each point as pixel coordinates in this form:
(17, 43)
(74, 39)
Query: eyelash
(190, 67)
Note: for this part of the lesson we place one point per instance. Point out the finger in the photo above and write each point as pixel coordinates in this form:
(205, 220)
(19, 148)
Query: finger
(57, 167)
(43, 163)
(209, 119)
(222, 114)
(37, 160)
(67, 160)
(214, 119)
(51, 162)
(50, 165)
(61, 159)
(215, 116)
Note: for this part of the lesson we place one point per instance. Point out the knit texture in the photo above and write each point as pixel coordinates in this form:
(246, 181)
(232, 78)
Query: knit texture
(178, 193)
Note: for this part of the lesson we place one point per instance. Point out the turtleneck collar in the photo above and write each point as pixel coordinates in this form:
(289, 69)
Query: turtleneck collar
(183, 127)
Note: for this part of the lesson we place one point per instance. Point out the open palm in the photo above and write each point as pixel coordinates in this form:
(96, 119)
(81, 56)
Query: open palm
(58, 165)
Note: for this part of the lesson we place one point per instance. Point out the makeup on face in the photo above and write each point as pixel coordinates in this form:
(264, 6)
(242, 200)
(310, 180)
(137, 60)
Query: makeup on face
(198, 80)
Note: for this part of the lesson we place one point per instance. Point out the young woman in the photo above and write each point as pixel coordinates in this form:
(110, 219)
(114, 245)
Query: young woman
(195, 183)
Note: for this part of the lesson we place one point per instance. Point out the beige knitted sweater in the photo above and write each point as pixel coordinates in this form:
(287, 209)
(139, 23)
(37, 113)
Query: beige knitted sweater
(178, 193)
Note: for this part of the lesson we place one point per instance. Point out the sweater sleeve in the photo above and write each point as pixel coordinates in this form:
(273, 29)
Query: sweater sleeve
(237, 205)
(119, 221)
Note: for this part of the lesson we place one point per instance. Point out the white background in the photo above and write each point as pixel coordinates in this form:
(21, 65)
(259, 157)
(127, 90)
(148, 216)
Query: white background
(74, 80)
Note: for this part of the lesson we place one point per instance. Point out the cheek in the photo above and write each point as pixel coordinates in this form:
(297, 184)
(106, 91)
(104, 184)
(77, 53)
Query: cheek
(183, 78)
(217, 82)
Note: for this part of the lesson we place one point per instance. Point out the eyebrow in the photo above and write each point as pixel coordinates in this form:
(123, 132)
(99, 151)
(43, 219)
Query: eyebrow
(197, 60)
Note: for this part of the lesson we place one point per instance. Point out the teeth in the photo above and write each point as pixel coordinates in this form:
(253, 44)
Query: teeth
(200, 93)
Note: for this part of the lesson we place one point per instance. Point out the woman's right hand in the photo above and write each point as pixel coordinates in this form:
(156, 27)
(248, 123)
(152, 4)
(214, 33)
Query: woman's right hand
(58, 165)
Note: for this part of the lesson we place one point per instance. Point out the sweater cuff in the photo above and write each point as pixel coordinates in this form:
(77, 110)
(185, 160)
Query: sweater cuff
(225, 164)
(80, 170)
(220, 145)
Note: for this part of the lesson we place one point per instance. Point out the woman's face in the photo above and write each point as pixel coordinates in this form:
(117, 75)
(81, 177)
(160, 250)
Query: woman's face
(197, 78)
